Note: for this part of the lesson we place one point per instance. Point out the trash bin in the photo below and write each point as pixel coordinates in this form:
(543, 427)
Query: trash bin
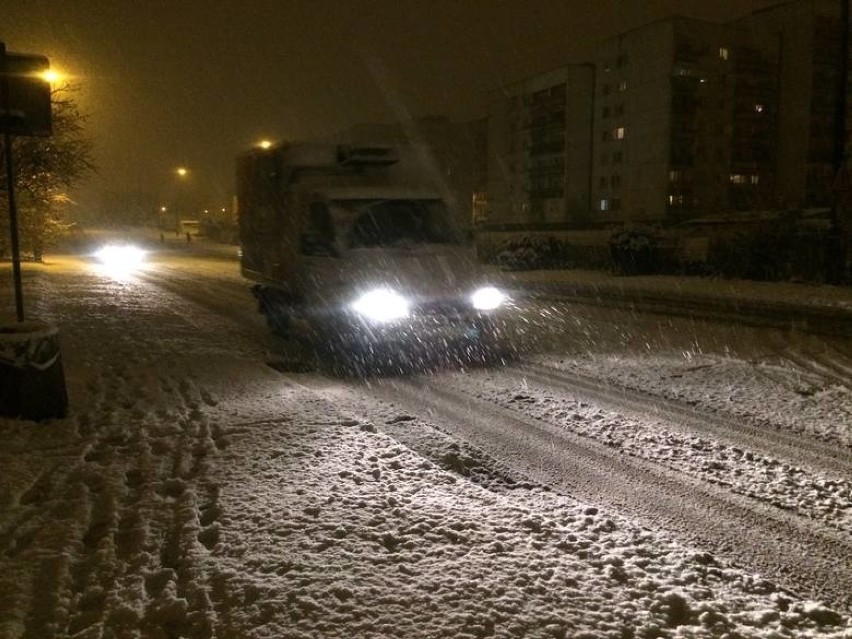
(32, 380)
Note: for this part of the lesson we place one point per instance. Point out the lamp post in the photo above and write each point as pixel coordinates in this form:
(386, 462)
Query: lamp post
(182, 174)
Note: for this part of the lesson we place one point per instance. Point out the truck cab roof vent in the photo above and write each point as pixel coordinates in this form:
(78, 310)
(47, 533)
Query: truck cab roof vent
(366, 155)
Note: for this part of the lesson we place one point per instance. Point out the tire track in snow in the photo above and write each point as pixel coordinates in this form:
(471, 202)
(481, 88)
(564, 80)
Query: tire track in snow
(801, 555)
(91, 529)
(121, 484)
(93, 571)
(828, 365)
(795, 448)
(66, 595)
(115, 534)
(825, 499)
(49, 590)
(179, 603)
(55, 511)
(229, 301)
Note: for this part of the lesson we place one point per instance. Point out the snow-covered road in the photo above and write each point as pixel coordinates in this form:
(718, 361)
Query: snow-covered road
(195, 492)
(693, 486)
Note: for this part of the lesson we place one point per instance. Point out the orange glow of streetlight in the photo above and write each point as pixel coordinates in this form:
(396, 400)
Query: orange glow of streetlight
(52, 76)
(264, 144)
(181, 171)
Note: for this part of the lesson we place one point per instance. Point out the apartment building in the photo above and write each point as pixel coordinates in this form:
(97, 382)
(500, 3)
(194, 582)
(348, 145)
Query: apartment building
(685, 118)
(810, 33)
(539, 144)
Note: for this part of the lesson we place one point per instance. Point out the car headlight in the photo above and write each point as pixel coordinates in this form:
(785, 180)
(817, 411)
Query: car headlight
(120, 260)
(381, 305)
(487, 298)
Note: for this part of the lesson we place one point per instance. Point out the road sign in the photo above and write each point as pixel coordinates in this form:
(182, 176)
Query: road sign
(25, 104)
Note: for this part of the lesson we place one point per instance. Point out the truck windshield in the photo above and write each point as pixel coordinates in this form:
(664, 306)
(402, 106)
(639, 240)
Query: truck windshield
(400, 222)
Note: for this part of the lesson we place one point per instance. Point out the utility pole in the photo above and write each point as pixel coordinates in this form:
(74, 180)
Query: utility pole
(840, 238)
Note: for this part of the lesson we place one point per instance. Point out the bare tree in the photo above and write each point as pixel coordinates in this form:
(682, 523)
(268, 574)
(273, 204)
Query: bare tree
(45, 169)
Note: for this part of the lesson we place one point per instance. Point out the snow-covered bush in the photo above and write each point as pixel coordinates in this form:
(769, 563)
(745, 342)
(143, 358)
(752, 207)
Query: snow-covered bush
(534, 252)
(635, 252)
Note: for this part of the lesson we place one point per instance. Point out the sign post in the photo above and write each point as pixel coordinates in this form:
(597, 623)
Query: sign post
(24, 110)
(32, 379)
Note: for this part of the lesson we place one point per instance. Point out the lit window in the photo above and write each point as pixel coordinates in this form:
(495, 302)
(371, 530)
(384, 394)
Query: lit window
(723, 53)
(758, 108)
(619, 133)
(674, 176)
(754, 179)
(622, 86)
(604, 204)
(675, 200)
(737, 178)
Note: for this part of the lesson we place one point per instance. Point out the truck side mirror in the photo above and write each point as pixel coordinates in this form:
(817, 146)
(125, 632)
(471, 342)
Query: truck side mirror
(316, 246)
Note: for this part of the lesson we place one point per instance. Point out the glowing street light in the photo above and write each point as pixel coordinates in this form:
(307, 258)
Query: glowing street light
(181, 171)
(52, 76)
(264, 144)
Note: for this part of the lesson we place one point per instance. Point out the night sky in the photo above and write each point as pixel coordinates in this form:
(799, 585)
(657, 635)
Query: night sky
(170, 83)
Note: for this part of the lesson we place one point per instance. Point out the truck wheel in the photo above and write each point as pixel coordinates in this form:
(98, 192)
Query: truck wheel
(277, 308)
(490, 347)
(333, 355)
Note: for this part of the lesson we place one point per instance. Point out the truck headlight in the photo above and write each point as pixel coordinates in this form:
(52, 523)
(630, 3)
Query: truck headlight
(381, 305)
(487, 298)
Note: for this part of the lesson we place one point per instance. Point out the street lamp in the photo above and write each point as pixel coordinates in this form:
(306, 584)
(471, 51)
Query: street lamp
(180, 203)
(52, 76)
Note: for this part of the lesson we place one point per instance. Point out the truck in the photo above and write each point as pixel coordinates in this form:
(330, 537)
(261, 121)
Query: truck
(353, 242)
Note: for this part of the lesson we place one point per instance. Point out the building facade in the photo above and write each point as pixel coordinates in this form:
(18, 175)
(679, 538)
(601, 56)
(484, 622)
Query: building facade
(810, 33)
(685, 116)
(685, 123)
(539, 144)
